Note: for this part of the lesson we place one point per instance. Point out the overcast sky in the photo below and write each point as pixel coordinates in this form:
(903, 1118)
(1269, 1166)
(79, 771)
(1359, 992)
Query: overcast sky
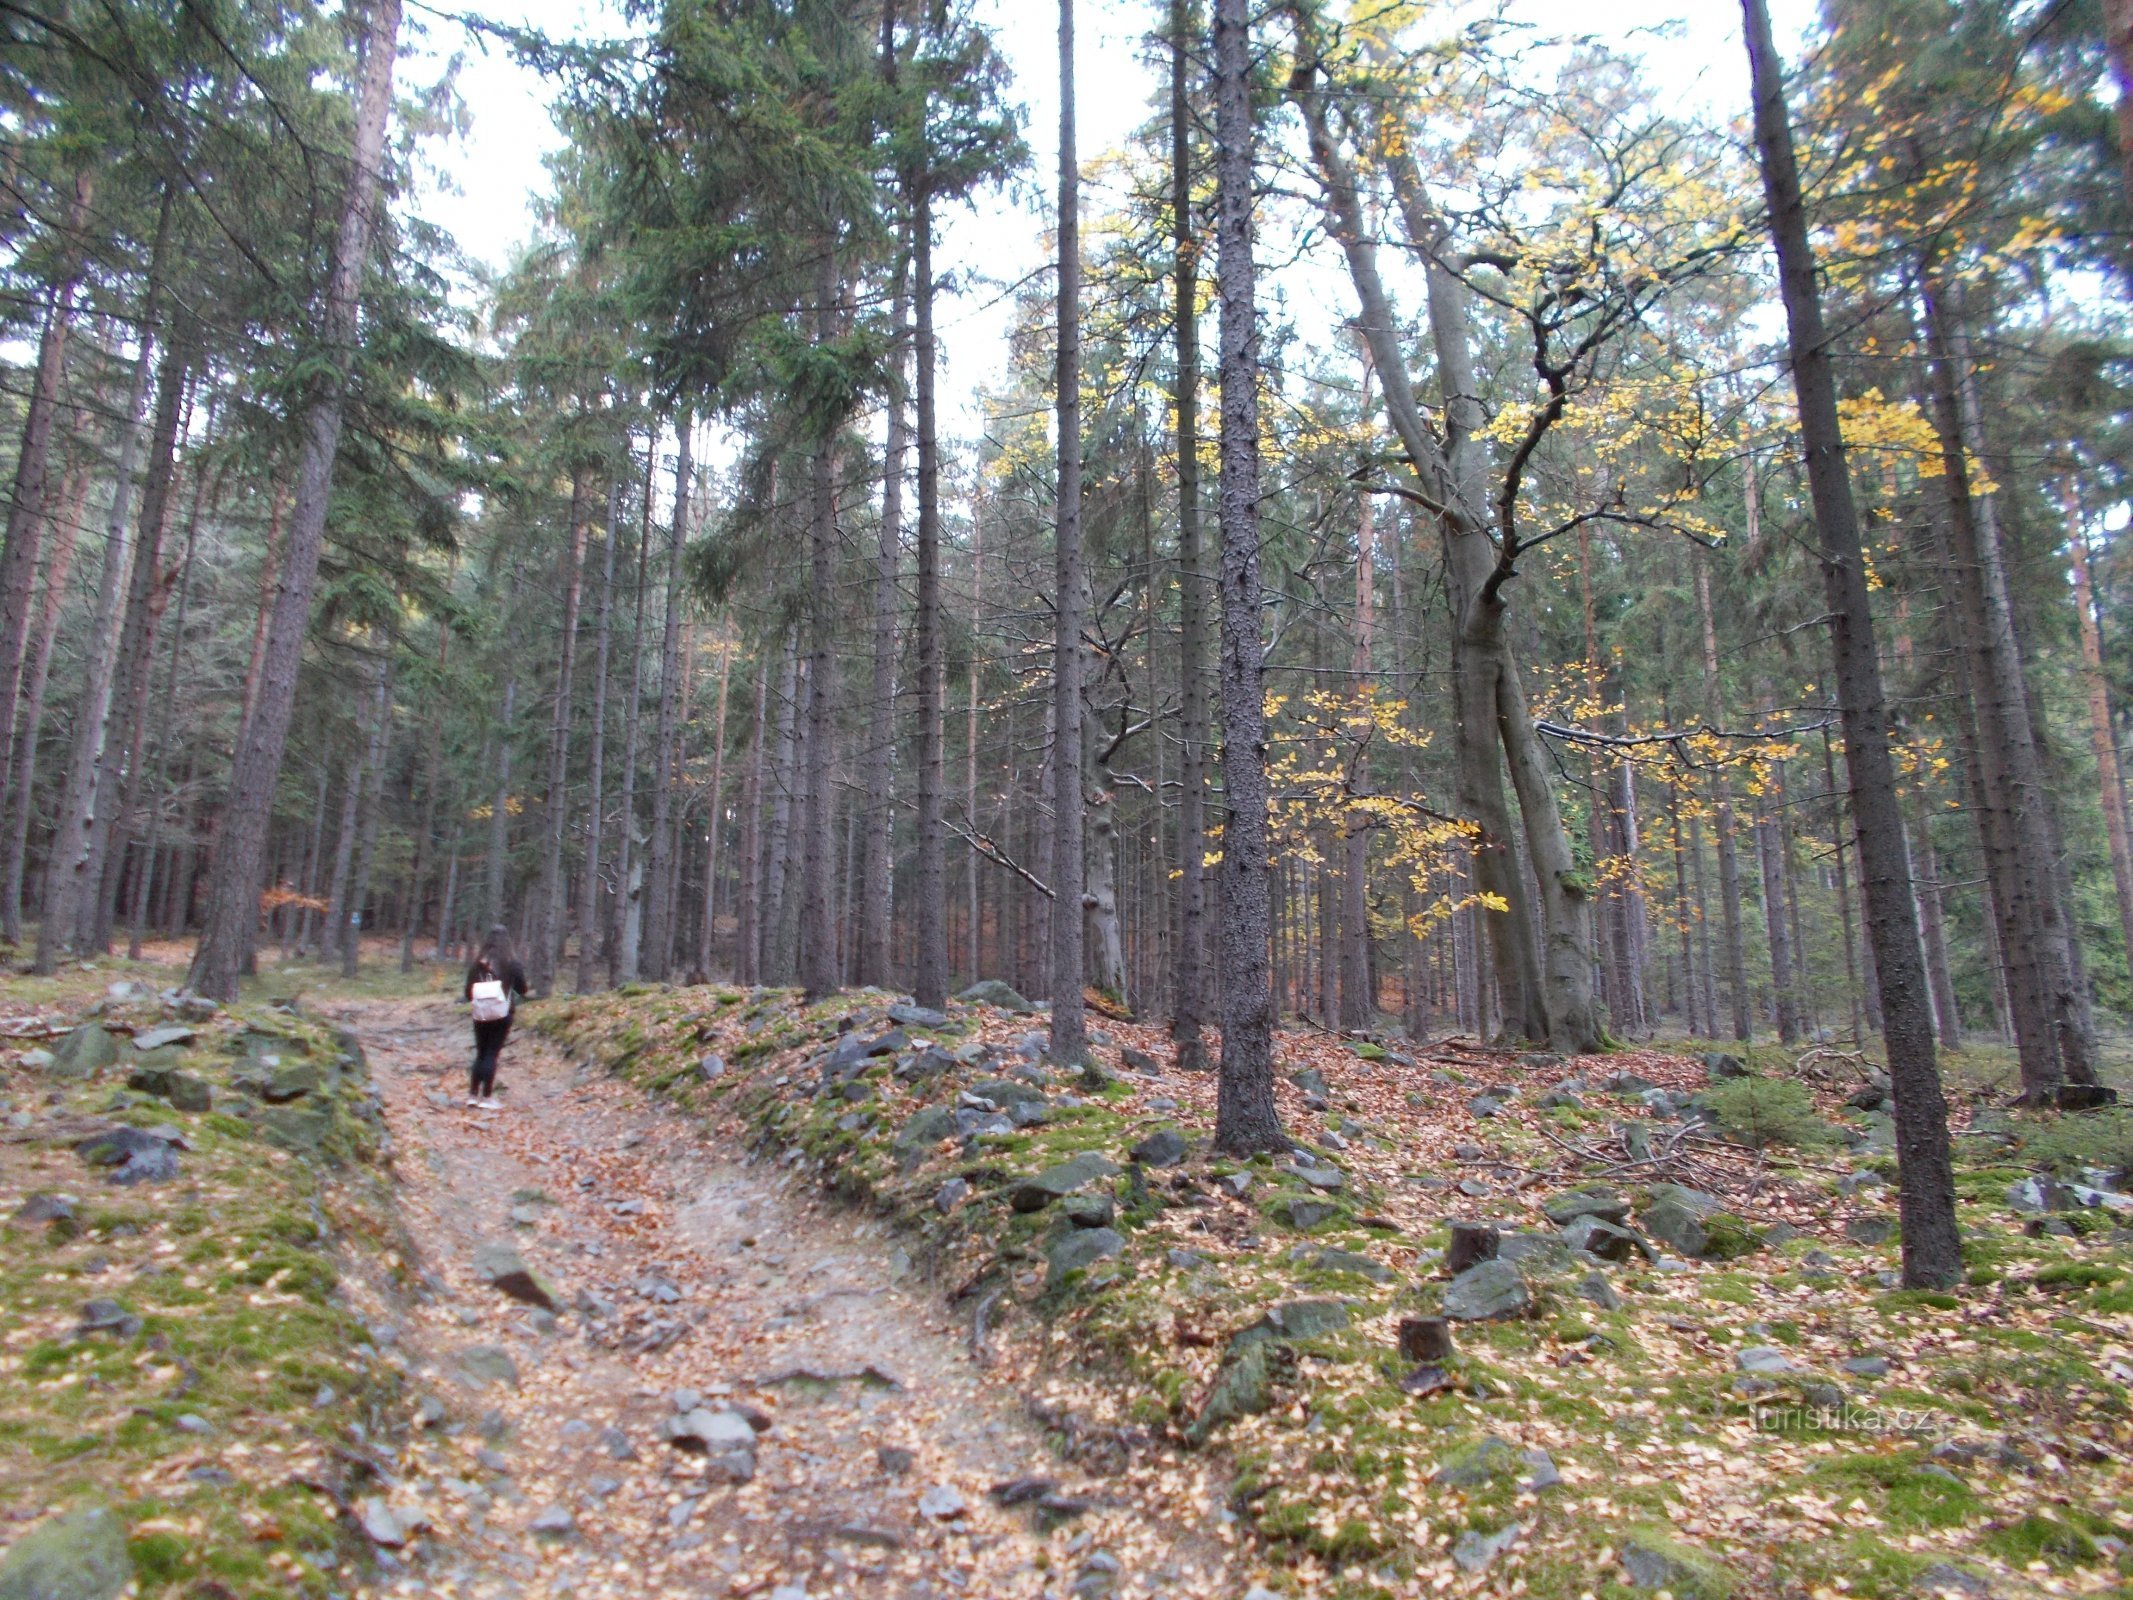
(1693, 48)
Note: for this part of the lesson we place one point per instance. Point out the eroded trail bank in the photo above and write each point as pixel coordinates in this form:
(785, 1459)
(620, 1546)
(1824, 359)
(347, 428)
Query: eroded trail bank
(693, 1293)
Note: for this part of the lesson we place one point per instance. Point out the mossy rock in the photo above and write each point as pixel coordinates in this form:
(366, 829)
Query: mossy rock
(1243, 1387)
(1728, 1238)
(1655, 1559)
(80, 1556)
(85, 1052)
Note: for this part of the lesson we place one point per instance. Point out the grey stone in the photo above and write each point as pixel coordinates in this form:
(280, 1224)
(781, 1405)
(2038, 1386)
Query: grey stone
(1595, 1287)
(941, 1502)
(1597, 1237)
(1654, 1561)
(924, 1129)
(1029, 1113)
(1186, 1259)
(711, 1067)
(894, 1459)
(158, 1038)
(1541, 1472)
(1543, 1252)
(554, 1522)
(992, 992)
(45, 1206)
(950, 1194)
(1763, 1360)
(617, 1444)
(1475, 1552)
(1007, 1093)
(1088, 1210)
(1165, 1148)
(505, 1271)
(888, 1044)
(488, 1363)
(84, 1052)
(1554, 1099)
(1473, 1465)
(971, 1124)
(1243, 1387)
(130, 1155)
(1487, 1291)
(107, 1316)
(196, 1425)
(1309, 1169)
(1870, 1230)
(1629, 1083)
(1675, 1217)
(1866, 1366)
(1871, 1095)
(1718, 1064)
(1295, 1319)
(1330, 1260)
(379, 1524)
(1945, 1578)
(917, 1016)
(185, 1091)
(725, 1438)
(1078, 1172)
(1574, 1203)
(1081, 1248)
(1484, 1106)
(79, 1556)
(1302, 1212)
(1235, 1184)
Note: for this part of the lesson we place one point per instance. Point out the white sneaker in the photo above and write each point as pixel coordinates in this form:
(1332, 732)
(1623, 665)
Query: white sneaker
(491, 1104)
(473, 1104)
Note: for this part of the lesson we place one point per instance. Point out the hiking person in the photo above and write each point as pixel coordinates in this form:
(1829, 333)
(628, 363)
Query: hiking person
(494, 983)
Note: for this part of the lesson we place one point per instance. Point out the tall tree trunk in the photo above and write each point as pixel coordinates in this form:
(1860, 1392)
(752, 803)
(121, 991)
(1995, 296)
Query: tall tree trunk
(432, 782)
(1358, 1002)
(621, 940)
(2118, 41)
(747, 952)
(66, 881)
(548, 937)
(2103, 741)
(1932, 917)
(2056, 1046)
(818, 850)
(233, 896)
(774, 962)
(147, 596)
(493, 900)
(1722, 825)
(877, 871)
(1932, 1247)
(29, 724)
(715, 818)
(373, 803)
(27, 505)
(970, 735)
(1770, 848)
(1191, 965)
(1246, 1120)
(168, 721)
(1069, 1042)
(659, 906)
(930, 979)
(589, 919)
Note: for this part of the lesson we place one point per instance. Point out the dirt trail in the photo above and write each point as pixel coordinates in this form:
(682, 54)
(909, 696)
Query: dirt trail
(678, 1271)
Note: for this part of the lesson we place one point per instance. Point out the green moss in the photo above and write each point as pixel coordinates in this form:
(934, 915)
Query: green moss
(2036, 1537)
(1914, 1492)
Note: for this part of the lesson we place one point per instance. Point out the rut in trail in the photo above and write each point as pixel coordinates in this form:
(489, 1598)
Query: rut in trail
(676, 1270)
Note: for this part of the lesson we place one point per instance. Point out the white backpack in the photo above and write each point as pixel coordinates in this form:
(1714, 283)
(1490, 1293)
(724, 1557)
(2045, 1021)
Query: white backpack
(491, 1003)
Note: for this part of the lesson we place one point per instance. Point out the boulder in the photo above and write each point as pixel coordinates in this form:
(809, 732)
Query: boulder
(950, 1194)
(84, 1052)
(170, 1035)
(1348, 1261)
(79, 1556)
(1473, 1465)
(971, 1123)
(185, 1091)
(916, 1016)
(1082, 1247)
(487, 1363)
(924, 1129)
(1484, 1106)
(1763, 1360)
(992, 992)
(1476, 1551)
(276, 1081)
(1164, 1148)
(1720, 1065)
(1870, 1230)
(1657, 1560)
(1035, 1193)
(1139, 1061)
(505, 1271)
(130, 1155)
(1487, 1292)
(1598, 1237)
(1007, 1093)
(1871, 1095)
(1310, 1169)
(1311, 1081)
(1595, 1287)
(1294, 1319)
(1302, 1212)
(1676, 1216)
(1088, 1210)
(1603, 1203)
(1542, 1252)
(725, 1438)
(107, 1316)
(887, 1044)
(1244, 1386)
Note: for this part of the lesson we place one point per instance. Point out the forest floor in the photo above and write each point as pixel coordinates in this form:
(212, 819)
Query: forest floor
(738, 1296)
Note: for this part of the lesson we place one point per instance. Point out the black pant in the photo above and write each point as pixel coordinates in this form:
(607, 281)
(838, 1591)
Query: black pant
(488, 1045)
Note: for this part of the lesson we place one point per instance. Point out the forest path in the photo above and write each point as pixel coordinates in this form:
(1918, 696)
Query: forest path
(677, 1271)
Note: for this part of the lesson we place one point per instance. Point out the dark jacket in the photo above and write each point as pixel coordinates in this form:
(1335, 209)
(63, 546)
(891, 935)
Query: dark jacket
(512, 974)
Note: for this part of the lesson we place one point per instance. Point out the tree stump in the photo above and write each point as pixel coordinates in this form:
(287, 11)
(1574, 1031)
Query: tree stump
(1425, 1339)
(1471, 1242)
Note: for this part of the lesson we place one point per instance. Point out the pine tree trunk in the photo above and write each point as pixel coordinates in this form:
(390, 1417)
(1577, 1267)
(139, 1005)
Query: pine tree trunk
(715, 820)
(432, 781)
(621, 942)
(775, 960)
(877, 871)
(659, 903)
(970, 737)
(1069, 1042)
(930, 979)
(147, 596)
(1246, 1120)
(168, 721)
(29, 723)
(66, 881)
(1736, 947)
(1358, 1001)
(818, 851)
(1191, 965)
(233, 896)
(548, 936)
(344, 841)
(373, 802)
(1925, 868)
(2118, 42)
(493, 901)
(1932, 1246)
(27, 505)
(747, 943)
(589, 918)
(2103, 741)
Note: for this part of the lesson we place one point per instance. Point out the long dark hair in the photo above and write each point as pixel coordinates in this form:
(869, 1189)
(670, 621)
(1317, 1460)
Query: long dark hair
(496, 950)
